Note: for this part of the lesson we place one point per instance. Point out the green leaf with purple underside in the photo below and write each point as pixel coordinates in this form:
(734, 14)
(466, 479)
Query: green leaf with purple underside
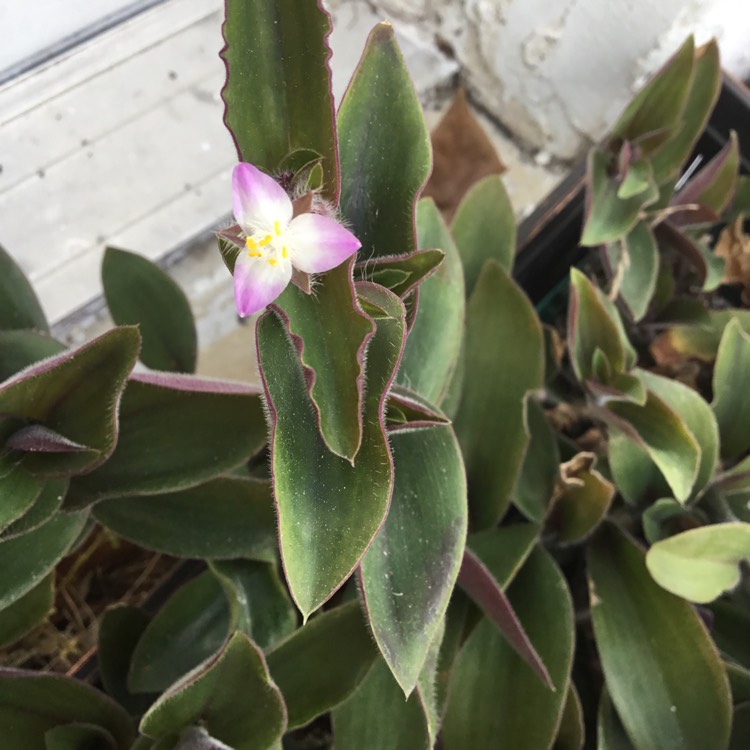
(384, 149)
(76, 394)
(157, 451)
(23, 348)
(277, 56)
(321, 664)
(232, 696)
(649, 642)
(434, 342)
(426, 531)
(490, 423)
(42, 509)
(403, 273)
(19, 490)
(495, 699)
(334, 333)
(19, 305)
(27, 612)
(328, 509)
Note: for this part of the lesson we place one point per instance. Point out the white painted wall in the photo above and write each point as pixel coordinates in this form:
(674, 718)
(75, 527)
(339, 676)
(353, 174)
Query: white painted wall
(558, 74)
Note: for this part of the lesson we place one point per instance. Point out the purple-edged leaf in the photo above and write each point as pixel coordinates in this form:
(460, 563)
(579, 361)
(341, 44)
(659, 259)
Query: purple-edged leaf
(19, 305)
(490, 423)
(495, 699)
(384, 148)
(27, 612)
(434, 343)
(139, 293)
(223, 518)
(704, 91)
(25, 560)
(657, 109)
(76, 394)
(712, 187)
(481, 586)
(232, 696)
(31, 704)
(401, 274)
(22, 348)
(329, 510)
(191, 626)
(333, 333)
(654, 649)
(609, 217)
(730, 395)
(277, 56)
(321, 664)
(426, 531)
(591, 328)
(640, 263)
(406, 411)
(484, 227)
(37, 438)
(176, 431)
(18, 490)
(46, 504)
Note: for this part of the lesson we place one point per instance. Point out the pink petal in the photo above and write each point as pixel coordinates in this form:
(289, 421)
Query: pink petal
(317, 243)
(258, 200)
(257, 283)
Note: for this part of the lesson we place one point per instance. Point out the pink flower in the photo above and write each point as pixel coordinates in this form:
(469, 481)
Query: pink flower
(273, 242)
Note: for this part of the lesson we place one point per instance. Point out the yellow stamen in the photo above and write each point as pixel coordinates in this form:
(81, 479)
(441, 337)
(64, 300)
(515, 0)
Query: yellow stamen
(277, 228)
(266, 240)
(272, 261)
(255, 254)
(284, 252)
(251, 243)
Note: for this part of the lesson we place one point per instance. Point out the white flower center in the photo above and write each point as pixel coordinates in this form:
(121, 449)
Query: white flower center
(268, 248)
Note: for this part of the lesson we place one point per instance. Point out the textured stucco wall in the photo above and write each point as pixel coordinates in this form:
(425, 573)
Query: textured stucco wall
(557, 74)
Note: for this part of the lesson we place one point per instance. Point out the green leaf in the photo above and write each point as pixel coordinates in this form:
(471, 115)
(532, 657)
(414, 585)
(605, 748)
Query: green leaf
(490, 420)
(222, 518)
(571, 734)
(638, 177)
(78, 737)
(384, 149)
(231, 696)
(658, 106)
(609, 217)
(322, 542)
(33, 703)
(739, 681)
(376, 717)
(591, 328)
(740, 728)
(495, 700)
(27, 612)
(321, 664)
(401, 274)
(641, 261)
(704, 91)
(18, 489)
(333, 332)
(22, 348)
(635, 475)
(434, 343)
(76, 394)
(277, 56)
(730, 628)
(47, 503)
(259, 604)
(611, 733)
(425, 530)
(700, 564)
(484, 227)
(503, 551)
(730, 404)
(188, 629)
(697, 416)
(540, 468)
(138, 292)
(19, 305)
(654, 650)
(665, 438)
(25, 560)
(120, 629)
(157, 450)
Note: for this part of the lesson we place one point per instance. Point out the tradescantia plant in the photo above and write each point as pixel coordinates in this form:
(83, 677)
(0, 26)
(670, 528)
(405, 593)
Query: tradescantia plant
(445, 520)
